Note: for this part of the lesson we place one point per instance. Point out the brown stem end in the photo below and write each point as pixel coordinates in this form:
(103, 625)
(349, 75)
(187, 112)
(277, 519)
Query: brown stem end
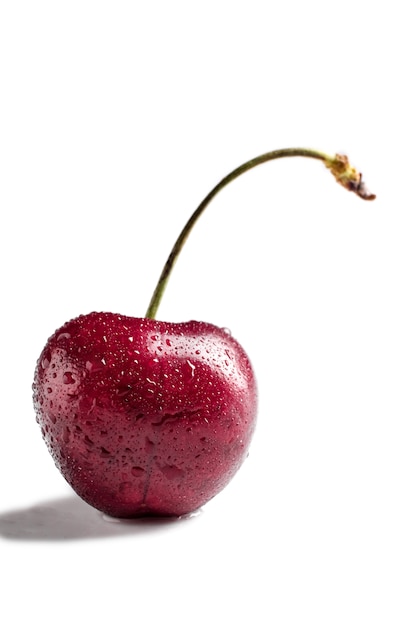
(347, 176)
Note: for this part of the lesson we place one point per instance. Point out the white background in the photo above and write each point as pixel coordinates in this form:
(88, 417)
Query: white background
(116, 118)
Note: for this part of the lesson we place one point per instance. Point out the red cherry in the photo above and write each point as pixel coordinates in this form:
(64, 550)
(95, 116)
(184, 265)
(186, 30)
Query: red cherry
(144, 417)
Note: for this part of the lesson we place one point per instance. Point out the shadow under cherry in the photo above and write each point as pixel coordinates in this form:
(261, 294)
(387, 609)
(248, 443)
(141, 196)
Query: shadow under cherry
(70, 519)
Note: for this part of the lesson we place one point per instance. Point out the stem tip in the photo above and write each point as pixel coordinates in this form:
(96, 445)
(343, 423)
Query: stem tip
(347, 176)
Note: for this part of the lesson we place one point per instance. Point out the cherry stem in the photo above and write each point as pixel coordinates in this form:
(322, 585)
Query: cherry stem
(338, 165)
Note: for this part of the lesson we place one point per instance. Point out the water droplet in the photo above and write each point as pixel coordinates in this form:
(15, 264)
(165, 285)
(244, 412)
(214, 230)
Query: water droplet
(123, 390)
(125, 486)
(227, 331)
(49, 389)
(46, 361)
(192, 367)
(137, 471)
(172, 472)
(68, 378)
(191, 515)
(63, 336)
(88, 441)
(93, 366)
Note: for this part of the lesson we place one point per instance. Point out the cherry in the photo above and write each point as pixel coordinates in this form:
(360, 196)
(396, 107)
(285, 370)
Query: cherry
(144, 417)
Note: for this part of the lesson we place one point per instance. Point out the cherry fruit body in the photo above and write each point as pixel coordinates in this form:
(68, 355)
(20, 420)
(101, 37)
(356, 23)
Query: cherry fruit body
(144, 417)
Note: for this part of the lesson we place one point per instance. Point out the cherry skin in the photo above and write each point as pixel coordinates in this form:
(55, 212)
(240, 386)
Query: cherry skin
(144, 417)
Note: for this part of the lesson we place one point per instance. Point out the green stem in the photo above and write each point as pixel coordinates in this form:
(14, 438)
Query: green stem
(338, 164)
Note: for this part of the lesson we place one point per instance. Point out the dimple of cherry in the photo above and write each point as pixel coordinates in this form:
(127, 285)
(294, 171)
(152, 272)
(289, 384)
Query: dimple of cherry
(151, 418)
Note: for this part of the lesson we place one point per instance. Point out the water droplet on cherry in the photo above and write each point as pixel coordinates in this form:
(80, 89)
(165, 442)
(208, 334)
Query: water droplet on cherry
(125, 486)
(93, 366)
(191, 515)
(137, 471)
(63, 336)
(46, 361)
(172, 472)
(68, 378)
